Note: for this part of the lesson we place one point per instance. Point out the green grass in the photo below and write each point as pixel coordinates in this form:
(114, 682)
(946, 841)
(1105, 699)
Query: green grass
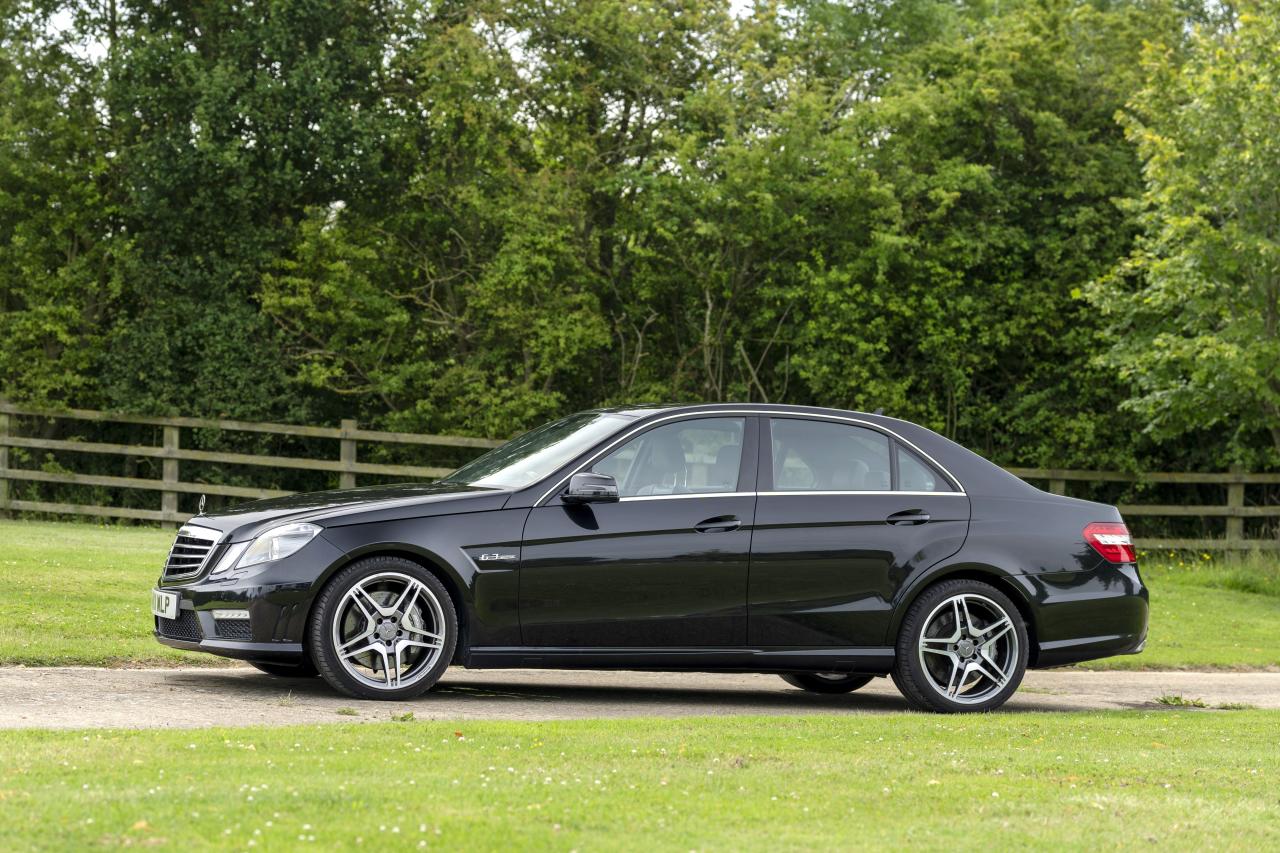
(1209, 614)
(77, 594)
(1182, 779)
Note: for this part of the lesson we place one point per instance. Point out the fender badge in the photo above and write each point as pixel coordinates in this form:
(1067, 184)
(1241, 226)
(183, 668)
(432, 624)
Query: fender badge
(488, 557)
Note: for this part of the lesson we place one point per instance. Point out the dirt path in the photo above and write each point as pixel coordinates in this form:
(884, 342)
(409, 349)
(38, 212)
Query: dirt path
(71, 697)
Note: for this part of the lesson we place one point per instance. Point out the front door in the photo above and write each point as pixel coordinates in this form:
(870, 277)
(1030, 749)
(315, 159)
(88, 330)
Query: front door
(665, 566)
(846, 514)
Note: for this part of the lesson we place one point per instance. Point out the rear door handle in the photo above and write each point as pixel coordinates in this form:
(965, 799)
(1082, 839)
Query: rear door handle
(909, 516)
(719, 524)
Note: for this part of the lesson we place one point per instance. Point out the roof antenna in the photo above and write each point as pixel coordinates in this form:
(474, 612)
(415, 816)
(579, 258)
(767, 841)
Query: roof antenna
(879, 411)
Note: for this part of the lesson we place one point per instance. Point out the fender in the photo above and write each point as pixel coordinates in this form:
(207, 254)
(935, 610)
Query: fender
(487, 590)
(958, 565)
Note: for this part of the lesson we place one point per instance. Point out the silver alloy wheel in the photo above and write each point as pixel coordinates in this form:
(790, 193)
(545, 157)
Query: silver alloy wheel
(968, 648)
(389, 631)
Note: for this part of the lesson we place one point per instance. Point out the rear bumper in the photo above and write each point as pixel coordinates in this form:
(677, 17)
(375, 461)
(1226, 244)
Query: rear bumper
(1086, 615)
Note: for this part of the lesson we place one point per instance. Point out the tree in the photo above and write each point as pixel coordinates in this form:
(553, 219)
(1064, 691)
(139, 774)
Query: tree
(1000, 155)
(230, 120)
(1194, 310)
(57, 235)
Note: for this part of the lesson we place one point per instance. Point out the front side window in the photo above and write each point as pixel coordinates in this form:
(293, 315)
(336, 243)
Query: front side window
(822, 456)
(686, 457)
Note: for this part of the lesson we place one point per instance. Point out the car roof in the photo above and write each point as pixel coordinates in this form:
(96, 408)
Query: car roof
(641, 410)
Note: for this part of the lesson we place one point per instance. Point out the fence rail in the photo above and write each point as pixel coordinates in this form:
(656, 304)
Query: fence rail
(349, 435)
(1234, 511)
(170, 452)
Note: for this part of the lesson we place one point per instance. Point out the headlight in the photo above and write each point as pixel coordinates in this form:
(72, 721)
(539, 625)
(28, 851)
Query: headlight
(278, 543)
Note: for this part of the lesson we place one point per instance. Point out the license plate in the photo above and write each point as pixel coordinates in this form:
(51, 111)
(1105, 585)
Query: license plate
(164, 604)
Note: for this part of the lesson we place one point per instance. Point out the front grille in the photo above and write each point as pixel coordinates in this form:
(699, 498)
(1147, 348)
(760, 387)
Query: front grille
(185, 627)
(233, 629)
(190, 552)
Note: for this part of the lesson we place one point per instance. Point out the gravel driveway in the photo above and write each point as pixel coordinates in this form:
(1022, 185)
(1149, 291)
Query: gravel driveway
(72, 697)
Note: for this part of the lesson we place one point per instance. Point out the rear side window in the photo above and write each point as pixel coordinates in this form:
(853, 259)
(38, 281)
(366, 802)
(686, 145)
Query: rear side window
(916, 475)
(818, 456)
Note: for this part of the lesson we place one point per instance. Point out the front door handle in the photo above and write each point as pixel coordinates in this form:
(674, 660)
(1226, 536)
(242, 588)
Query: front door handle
(909, 516)
(719, 524)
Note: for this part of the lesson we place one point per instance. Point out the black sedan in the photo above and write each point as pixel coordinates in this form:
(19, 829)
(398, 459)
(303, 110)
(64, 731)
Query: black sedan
(828, 547)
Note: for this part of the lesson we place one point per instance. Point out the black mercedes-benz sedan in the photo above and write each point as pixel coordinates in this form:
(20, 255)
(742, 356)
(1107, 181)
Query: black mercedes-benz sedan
(828, 547)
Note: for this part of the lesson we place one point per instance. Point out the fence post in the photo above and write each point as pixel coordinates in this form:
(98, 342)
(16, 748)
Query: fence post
(347, 455)
(169, 499)
(4, 464)
(1057, 487)
(1235, 500)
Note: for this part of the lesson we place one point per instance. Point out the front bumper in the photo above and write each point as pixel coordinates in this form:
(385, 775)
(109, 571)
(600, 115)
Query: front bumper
(1087, 615)
(277, 597)
(198, 631)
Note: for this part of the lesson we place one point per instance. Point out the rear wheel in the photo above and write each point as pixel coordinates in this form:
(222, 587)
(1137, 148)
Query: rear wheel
(383, 628)
(827, 682)
(962, 647)
(302, 669)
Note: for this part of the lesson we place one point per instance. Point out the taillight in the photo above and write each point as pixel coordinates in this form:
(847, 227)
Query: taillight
(1111, 540)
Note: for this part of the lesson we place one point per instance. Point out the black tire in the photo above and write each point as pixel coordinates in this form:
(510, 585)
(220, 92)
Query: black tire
(824, 682)
(920, 686)
(302, 669)
(320, 640)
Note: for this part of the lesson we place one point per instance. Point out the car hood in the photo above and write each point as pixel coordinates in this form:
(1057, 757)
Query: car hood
(353, 506)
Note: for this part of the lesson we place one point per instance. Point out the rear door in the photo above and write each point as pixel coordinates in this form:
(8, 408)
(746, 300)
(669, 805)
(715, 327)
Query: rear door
(664, 566)
(846, 513)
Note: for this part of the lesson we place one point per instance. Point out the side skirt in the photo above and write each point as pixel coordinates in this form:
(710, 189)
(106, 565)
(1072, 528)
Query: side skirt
(874, 660)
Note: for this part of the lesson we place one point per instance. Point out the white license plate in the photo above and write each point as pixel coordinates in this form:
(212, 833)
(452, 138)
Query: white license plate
(164, 604)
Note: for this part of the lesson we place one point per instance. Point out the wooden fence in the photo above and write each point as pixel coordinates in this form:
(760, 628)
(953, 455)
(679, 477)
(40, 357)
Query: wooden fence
(349, 435)
(170, 485)
(1235, 510)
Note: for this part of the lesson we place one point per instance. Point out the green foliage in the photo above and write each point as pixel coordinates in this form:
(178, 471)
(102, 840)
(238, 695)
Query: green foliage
(472, 217)
(56, 273)
(1195, 308)
(998, 158)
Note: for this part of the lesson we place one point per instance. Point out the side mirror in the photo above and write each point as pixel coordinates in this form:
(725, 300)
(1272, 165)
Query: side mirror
(586, 487)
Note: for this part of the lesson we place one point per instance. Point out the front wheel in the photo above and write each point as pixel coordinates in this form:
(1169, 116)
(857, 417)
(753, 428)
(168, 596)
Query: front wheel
(962, 647)
(383, 628)
(827, 682)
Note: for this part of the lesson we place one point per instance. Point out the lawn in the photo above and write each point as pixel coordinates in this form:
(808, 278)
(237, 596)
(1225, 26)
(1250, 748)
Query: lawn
(1208, 614)
(1180, 779)
(77, 594)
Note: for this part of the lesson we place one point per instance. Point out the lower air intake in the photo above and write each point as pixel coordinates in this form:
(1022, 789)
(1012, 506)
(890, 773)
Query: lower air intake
(185, 627)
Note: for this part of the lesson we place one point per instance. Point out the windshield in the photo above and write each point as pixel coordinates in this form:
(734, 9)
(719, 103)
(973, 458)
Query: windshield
(537, 453)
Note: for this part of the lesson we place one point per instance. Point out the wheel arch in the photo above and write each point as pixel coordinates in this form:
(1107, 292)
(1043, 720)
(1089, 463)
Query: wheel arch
(1001, 579)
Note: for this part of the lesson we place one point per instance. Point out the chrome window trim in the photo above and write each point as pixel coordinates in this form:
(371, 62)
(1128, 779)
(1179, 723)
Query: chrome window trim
(686, 496)
(713, 413)
(776, 494)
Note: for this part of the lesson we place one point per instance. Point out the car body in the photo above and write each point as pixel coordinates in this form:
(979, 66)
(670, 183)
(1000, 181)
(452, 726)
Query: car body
(736, 537)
